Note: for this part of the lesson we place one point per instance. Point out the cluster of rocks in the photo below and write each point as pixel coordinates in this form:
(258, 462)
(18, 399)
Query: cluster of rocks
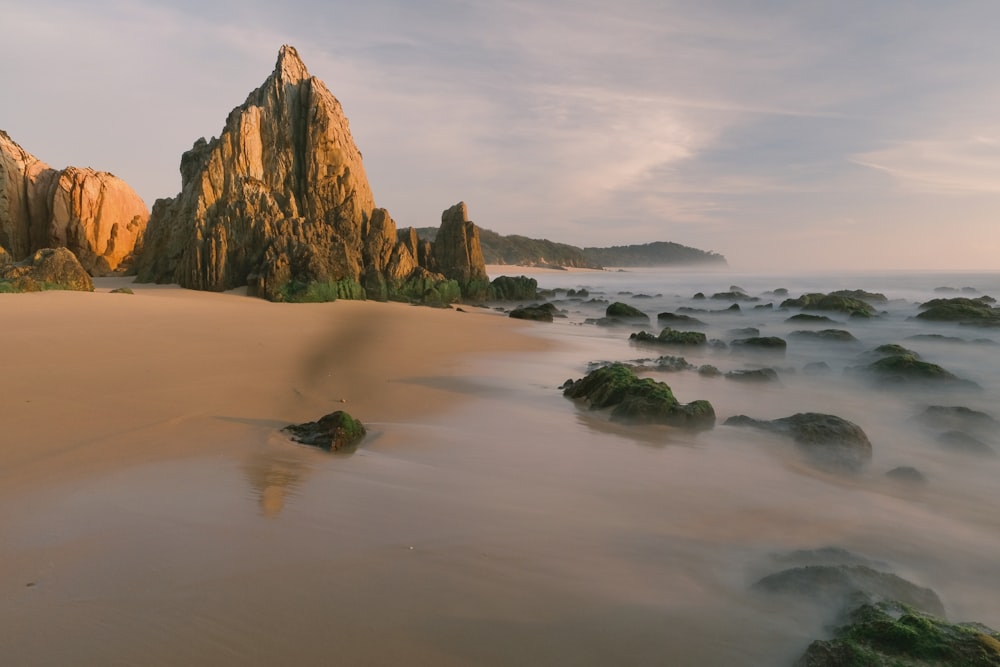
(279, 202)
(880, 618)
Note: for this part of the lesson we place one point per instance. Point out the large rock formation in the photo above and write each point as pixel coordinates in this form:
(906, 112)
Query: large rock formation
(280, 202)
(47, 269)
(93, 213)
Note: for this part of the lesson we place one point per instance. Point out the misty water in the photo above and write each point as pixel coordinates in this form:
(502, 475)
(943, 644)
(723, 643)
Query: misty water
(522, 528)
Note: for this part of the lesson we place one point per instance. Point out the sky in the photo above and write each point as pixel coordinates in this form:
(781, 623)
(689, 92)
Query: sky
(786, 135)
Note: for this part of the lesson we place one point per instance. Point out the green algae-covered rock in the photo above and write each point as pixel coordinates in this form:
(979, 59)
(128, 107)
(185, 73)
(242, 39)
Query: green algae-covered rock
(510, 288)
(670, 337)
(838, 335)
(637, 400)
(318, 292)
(537, 313)
(960, 309)
(626, 312)
(828, 441)
(337, 431)
(907, 366)
(764, 343)
(892, 634)
(47, 269)
(836, 302)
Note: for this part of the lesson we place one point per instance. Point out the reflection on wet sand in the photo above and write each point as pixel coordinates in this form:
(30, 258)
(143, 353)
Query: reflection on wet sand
(274, 475)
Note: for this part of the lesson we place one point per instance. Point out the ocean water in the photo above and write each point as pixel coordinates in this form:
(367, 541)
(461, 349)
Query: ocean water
(521, 527)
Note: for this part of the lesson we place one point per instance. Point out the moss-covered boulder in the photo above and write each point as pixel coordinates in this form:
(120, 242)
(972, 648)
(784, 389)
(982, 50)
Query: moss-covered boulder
(957, 417)
(427, 287)
(835, 302)
(828, 441)
(537, 313)
(337, 431)
(835, 335)
(679, 318)
(961, 310)
(511, 288)
(318, 292)
(903, 367)
(893, 634)
(623, 311)
(761, 343)
(809, 318)
(47, 269)
(670, 336)
(634, 399)
(861, 295)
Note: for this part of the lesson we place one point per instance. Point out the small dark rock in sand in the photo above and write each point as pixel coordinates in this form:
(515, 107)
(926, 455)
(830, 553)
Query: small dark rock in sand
(337, 431)
(827, 440)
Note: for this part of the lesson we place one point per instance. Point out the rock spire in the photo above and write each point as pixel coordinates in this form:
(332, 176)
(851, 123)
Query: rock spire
(280, 202)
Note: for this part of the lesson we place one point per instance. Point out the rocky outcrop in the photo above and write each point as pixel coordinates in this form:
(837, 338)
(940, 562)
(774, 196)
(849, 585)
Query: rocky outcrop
(47, 269)
(94, 214)
(827, 440)
(280, 202)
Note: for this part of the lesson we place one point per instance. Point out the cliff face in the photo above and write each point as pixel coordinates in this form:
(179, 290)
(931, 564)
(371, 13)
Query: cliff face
(280, 202)
(92, 213)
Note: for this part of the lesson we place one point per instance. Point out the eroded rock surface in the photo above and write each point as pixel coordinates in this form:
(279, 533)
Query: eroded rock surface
(94, 214)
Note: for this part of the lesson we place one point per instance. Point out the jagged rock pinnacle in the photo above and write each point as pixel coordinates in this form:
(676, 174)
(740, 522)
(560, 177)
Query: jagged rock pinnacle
(290, 67)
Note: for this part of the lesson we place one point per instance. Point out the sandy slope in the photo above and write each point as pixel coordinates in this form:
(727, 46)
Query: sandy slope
(92, 381)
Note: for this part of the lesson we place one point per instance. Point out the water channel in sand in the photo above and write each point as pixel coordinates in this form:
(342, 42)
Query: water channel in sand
(521, 528)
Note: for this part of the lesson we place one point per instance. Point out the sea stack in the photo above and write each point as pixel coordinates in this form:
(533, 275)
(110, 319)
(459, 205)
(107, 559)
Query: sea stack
(279, 202)
(94, 214)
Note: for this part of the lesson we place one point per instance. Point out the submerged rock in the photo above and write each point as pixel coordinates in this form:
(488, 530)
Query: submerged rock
(754, 375)
(334, 432)
(47, 269)
(806, 317)
(960, 441)
(837, 335)
(906, 475)
(835, 301)
(761, 343)
(843, 587)
(958, 418)
(895, 634)
(635, 399)
(679, 319)
(827, 440)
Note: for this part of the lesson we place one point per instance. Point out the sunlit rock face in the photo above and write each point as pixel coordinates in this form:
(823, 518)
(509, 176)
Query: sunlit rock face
(280, 195)
(279, 202)
(94, 214)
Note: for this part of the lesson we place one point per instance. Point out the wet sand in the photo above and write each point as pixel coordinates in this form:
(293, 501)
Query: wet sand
(153, 514)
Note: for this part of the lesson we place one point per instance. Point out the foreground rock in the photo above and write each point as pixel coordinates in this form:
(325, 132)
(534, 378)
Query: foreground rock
(637, 400)
(827, 440)
(337, 431)
(891, 633)
(47, 269)
(279, 202)
(94, 214)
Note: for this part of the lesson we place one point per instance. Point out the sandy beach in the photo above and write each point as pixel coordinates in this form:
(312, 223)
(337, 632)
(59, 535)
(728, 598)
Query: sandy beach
(152, 512)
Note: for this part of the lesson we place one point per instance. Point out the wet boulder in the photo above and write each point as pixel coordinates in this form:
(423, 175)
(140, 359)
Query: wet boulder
(47, 269)
(808, 318)
(833, 335)
(676, 318)
(761, 344)
(537, 313)
(958, 417)
(835, 302)
(669, 336)
(753, 375)
(959, 441)
(337, 431)
(639, 400)
(511, 288)
(623, 311)
(842, 587)
(962, 310)
(906, 475)
(897, 634)
(828, 441)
